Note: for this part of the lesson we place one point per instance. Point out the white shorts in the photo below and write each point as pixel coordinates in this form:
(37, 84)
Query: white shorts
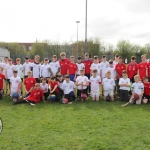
(109, 92)
(95, 94)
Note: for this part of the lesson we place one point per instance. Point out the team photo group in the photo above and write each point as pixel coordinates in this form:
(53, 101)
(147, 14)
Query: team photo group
(75, 79)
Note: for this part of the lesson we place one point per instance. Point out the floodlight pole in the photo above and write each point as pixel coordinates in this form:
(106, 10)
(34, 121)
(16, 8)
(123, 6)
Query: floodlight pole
(77, 50)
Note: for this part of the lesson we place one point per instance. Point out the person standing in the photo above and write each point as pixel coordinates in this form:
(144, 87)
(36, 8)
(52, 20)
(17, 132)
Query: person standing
(26, 67)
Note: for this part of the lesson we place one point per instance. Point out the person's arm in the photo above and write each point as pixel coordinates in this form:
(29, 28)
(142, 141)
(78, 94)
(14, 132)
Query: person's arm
(58, 70)
(121, 84)
(87, 84)
(128, 84)
(101, 74)
(50, 71)
(52, 91)
(50, 88)
(19, 86)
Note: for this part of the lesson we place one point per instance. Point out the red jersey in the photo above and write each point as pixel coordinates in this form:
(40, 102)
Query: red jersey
(142, 69)
(29, 83)
(63, 65)
(72, 68)
(2, 77)
(53, 85)
(147, 88)
(148, 67)
(132, 70)
(36, 95)
(87, 64)
(119, 68)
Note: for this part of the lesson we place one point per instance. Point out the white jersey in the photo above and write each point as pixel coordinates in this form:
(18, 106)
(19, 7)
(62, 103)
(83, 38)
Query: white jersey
(80, 66)
(95, 83)
(35, 70)
(82, 79)
(26, 68)
(97, 67)
(9, 70)
(115, 63)
(112, 70)
(54, 66)
(108, 84)
(3, 65)
(19, 68)
(103, 66)
(44, 70)
(68, 87)
(60, 84)
(138, 87)
(15, 81)
(44, 87)
(123, 81)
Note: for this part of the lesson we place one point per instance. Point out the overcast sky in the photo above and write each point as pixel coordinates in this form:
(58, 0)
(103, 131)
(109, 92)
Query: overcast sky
(110, 20)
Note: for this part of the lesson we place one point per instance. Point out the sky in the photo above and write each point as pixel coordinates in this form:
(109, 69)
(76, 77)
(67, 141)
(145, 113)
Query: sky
(55, 20)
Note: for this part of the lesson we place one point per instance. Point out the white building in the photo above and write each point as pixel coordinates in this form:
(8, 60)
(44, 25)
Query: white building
(4, 53)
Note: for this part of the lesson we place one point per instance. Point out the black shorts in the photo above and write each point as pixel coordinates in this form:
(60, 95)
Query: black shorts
(146, 96)
(8, 80)
(81, 91)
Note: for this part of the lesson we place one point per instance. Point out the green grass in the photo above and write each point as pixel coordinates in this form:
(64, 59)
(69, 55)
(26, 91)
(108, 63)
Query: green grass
(80, 126)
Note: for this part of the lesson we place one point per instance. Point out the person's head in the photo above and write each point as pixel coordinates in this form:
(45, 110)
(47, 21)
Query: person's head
(72, 59)
(145, 79)
(1, 70)
(5, 59)
(111, 63)
(63, 55)
(103, 58)
(67, 78)
(95, 59)
(54, 59)
(44, 80)
(53, 79)
(137, 78)
(116, 57)
(124, 74)
(29, 73)
(108, 74)
(79, 59)
(60, 77)
(10, 61)
(120, 60)
(94, 72)
(133, 59)
(45, 60)
(82, 72)
(143, 57)
(37, 86)
(37, 58)
(86, 56)
(18, 60)
(15, 72)
(26, 59)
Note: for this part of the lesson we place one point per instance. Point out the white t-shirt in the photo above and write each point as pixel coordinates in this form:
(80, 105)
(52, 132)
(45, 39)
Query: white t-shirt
(82, 79)
(19, 68)
(123, 81)
(9, 70)
(68, 87)
(4, 66)
(36, 70)
(26, 68)
(44, 87)
(80, 66)
(95, 83)
(113, 72)
(15, 81)
(138, 87)
(115, 63)
(108, 84)
(97, 67)
(44, 70)
(54, 66)
(60, 84)
(103, 66)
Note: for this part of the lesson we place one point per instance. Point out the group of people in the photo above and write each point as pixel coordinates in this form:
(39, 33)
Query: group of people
(66, 79)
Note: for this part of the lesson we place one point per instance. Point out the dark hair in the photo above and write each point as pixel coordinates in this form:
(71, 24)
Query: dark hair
(86, 54)
(133, 58)
(94, 70)
(110, 61)
(79, 58)
(104, 56)
(60, 75)
(145, 78)
(66, 76)
(120, 57)
(95, 57)
(44, 79)
(124, 71)
(53, 78)
(116, 55)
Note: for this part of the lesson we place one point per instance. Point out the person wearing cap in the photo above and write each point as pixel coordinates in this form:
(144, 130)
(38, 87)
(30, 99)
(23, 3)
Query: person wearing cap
(124, 84)
(108, 86)
(26, 67)
(54, 66)
(80, 65)
(35, 67)
(63, 63)
(45, 69)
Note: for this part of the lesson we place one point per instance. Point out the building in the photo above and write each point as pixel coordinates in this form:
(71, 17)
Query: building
(27, 46)
(4, 53)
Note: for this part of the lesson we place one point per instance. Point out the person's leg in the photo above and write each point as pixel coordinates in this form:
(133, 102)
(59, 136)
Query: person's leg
(88, 76)
(121, 95)
(131, 100)
(67, 97)
(1, 94)
(78, 94)
(105, 95)
(46, 95)
(97, 94)
(57, 96)
(139, 101)
(20, 102)
(72, 96)
(111, 94)
(126, 95)
(117, 86)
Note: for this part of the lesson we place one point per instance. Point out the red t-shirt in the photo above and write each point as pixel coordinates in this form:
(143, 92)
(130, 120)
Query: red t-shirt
(35, 95)
(147, 88)
(29, 83)
(53, 85)
(132, 69)
(2, 77)
(87, 64)
(148, 66)
(72, 67)
(63, 66)
(119, 68)
(142, 69)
